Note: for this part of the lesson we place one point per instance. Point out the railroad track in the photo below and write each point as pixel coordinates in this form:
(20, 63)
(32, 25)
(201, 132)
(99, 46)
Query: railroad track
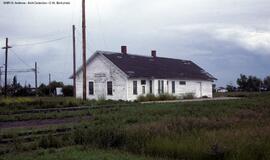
(33, 135)
(43, 122)
(48, 110)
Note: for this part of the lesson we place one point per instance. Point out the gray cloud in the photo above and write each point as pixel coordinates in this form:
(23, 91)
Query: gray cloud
(226, 37)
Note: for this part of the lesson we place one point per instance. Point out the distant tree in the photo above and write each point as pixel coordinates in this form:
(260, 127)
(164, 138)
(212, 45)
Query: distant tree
(250, 83)
(53, 85)
(25, 91)
(231, 88)
(254, 83)
(266, 83)
(242, 82)
(43, 90)
(68, 91)
(15, 87)
(14, 82)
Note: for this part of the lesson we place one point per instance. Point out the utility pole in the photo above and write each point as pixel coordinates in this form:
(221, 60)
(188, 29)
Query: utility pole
(49, 78)
(36, 77)
(1, 77)
(6, 64)
(1, 89)
(74, 61)
(50, 81)
(84, 48)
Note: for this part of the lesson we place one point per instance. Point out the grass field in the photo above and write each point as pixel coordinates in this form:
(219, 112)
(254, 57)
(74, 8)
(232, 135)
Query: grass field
(80, 153)
(231, 129)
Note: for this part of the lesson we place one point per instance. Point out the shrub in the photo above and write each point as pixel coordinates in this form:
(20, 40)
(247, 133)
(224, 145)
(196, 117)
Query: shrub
(152, 97)
(68, 91)
(189, 96)
(166, 96)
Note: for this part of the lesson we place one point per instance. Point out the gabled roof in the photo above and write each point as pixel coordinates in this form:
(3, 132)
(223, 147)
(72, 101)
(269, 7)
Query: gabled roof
(135, 66)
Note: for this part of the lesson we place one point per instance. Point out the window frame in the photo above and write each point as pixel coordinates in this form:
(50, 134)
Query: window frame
(173, 87)
(182, 83)
(93, 88)
(161, 86)
(135, 87)
(108, 93)
(143, 89)
(143, 82)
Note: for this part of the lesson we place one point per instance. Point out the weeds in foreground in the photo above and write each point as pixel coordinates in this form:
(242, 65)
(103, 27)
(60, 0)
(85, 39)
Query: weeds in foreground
(235, 129)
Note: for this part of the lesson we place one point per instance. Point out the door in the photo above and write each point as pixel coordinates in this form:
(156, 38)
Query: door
(100, 86)
(199, 90)
(100, 90)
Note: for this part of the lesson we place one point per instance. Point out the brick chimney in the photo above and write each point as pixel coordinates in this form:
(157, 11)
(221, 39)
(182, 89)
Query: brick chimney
(154, 53)
(124, 49)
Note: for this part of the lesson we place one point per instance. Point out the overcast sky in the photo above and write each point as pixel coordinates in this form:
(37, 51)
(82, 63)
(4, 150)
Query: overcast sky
(225, 37)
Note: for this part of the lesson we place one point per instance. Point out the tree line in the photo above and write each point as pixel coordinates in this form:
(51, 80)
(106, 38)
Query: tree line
(250, 84)
(16, 89)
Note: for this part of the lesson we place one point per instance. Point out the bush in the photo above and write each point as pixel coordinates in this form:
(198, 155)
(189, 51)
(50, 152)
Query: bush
(148, 97)
(68, 91)
(164, 97)
(189, 96)
(152, 97)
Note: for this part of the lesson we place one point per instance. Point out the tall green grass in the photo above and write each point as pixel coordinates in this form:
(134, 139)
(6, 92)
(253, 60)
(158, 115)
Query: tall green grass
(230, 130)
(72, 153)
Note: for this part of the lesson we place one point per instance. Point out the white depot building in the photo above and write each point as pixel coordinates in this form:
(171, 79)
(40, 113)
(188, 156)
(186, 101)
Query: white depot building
(124, 76)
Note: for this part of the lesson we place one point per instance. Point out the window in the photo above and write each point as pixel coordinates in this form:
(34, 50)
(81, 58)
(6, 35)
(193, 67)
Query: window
(160, 86)
(173, 86)
(151, 86)
(109, 88)
(143, 82)
(91, 88)
(182, 83)
(135, 91)
(143, 89)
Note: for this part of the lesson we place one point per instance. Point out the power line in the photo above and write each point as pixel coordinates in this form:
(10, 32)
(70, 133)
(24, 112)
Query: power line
(20, 59)
(21, 71)
(42, 42)
(80, 41)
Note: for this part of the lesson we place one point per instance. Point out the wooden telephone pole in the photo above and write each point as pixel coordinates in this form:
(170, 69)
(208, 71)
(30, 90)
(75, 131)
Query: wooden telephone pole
(36, 78)
(74, 61)
(1, 77)
(6, 64)
(50, 78)
(84, 48)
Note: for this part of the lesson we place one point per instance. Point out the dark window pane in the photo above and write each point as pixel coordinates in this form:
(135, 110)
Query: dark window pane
(160, 87)
(143, 82)
(151, 87)
(182, 82)
(173, 86)
(91, 88)
(109, 88)
(135, 91)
